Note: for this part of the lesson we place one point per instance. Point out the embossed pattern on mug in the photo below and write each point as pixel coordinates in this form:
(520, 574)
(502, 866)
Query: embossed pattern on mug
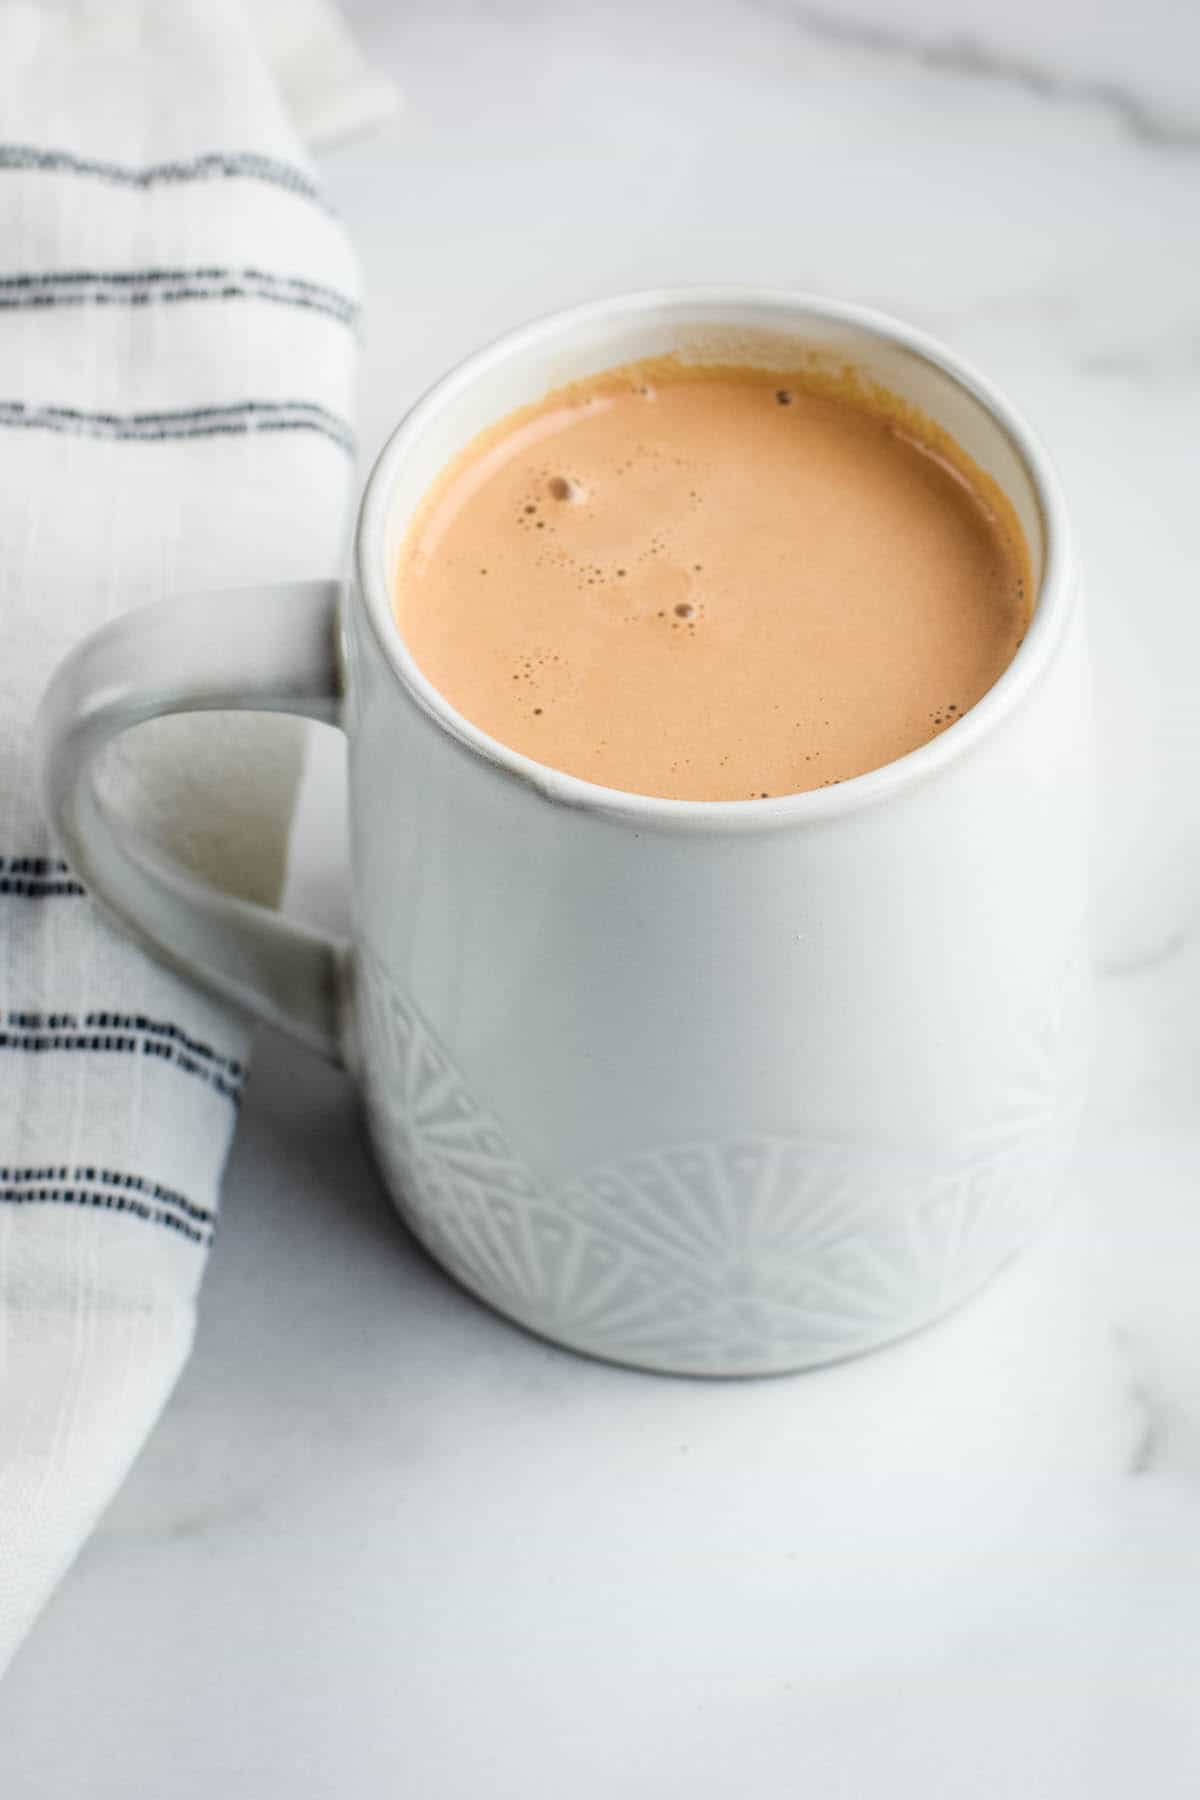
(749, 1254)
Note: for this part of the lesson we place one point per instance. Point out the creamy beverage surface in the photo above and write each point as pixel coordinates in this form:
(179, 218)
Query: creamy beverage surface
(713, 583)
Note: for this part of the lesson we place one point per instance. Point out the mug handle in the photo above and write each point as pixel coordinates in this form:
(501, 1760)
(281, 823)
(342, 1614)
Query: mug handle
(260, 649)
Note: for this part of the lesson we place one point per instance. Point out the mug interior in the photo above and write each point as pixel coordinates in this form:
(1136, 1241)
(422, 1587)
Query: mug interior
(771, 331)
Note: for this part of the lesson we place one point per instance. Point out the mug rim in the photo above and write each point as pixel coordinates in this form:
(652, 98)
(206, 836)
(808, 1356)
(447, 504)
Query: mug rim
(1032, 658)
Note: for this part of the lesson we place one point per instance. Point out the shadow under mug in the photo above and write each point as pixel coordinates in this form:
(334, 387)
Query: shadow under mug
(714, 1088)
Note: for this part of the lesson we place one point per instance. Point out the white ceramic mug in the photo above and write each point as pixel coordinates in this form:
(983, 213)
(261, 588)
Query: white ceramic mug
(717, 1088)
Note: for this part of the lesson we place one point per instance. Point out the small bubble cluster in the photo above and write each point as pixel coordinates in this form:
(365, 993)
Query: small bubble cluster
(546, 504)
(540, 670)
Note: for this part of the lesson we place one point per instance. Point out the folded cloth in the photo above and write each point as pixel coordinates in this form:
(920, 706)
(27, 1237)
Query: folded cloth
(177, 336)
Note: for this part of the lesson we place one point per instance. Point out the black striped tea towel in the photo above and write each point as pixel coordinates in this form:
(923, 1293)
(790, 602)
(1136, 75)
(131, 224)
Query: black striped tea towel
(177, 310)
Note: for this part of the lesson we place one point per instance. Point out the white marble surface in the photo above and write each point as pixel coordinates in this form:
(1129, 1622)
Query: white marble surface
(384, 1544)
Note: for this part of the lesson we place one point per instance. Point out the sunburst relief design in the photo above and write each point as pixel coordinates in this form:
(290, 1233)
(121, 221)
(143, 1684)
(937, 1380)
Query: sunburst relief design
(738, 1256)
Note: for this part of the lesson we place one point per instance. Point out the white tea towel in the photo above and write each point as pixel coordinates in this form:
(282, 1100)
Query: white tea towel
(177, 316)
(330, 89)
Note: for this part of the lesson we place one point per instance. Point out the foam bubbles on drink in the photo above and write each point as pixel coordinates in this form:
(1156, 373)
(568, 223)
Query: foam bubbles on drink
(571, 510)
(645, 564)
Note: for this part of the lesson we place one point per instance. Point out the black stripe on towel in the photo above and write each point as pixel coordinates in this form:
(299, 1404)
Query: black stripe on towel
(239, 419)
(109, 1021)
(108, 1190)
(151, 287)
(123, 1034)
(32, 877)
(215, 165)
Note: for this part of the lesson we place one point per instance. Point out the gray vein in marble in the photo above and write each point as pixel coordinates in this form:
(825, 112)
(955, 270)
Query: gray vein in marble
(181, 1525)
(1176, 362)
(1116, 968)
(1119, 365)
(1150, 1438)
(1133, 113)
